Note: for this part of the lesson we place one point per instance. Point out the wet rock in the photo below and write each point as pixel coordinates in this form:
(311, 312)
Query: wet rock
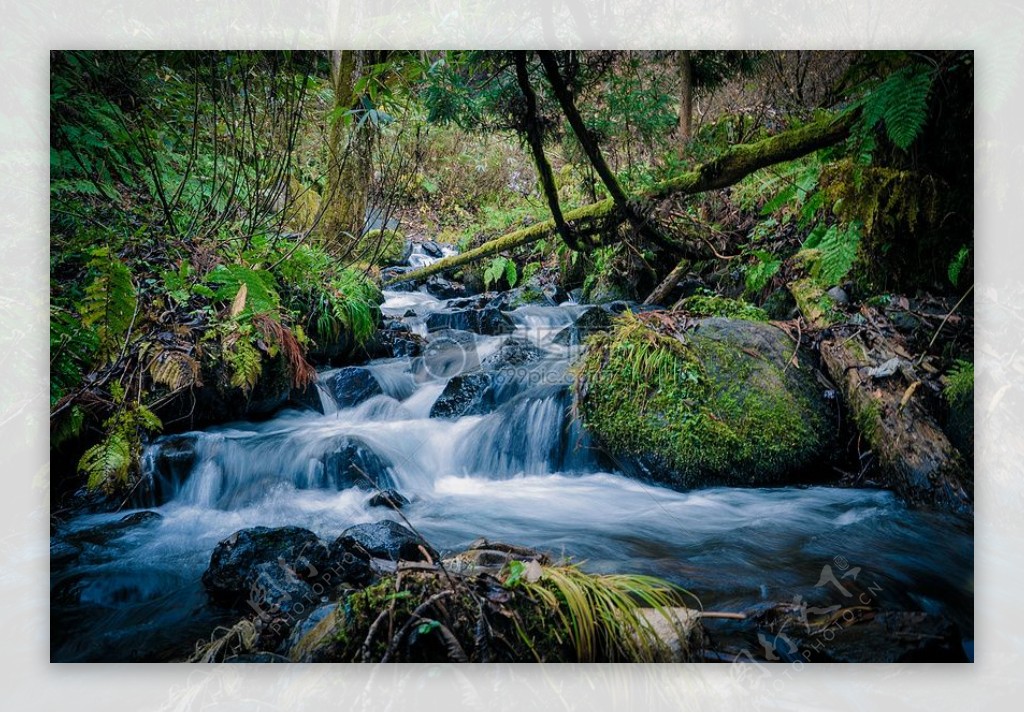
(386, 539)
(394, 342)
(432, 249)
(172, 461)
(306, 625)
(102, 534)
(307, 398)
(63, 552)
(353, 464)
(449, 352)
(444, 289)
(489, 321)
(512, 353)
(465, 395)
(594, 319)
(389, 498)
(277, 593)
(351, 386)
(264, 556)
(838, 295)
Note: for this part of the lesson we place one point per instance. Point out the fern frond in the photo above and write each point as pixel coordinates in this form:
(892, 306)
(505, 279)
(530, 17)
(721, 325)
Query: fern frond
(108, 462)
(900, 103)
(245, 361)
(110, 302)
(174, 369)
(838, 248)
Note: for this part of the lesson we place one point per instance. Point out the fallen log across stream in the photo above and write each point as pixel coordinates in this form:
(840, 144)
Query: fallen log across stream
(600, 218)
(874, 370)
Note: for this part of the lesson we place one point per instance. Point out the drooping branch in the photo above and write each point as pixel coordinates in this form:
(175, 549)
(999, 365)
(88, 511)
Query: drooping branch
(535, 137)
(733, 165)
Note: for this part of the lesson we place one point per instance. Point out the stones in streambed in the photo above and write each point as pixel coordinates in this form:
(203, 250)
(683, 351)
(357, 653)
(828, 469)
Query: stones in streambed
(488, 321)
(466, 395)
(444, 289)
(386, 540)
(352, 463)
(388, 498)
(351, 385)
(730, 402)
(856, 634)
(594, 319)
(449, 352)
(282, 558)
(167, 466)
(512, 353)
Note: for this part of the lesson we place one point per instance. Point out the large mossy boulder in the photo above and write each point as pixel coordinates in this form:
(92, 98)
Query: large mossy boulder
(718, 403)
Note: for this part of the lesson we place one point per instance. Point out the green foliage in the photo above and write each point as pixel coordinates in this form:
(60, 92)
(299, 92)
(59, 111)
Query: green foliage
(110, 302)
(960, 382)
(708, 304)
(109, 464)
(498, 269)
(243, 358)
(261, 293)
(835, 249)
(956, 265)
(761, 271)
(73, 347)
(899, 103)
(601, 615)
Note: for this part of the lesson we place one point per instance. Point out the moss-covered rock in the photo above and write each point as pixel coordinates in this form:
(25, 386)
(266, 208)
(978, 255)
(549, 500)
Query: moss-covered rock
(385, 247)
(720, 405)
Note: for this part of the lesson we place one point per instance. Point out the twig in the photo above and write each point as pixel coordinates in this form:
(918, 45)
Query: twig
(943, 323)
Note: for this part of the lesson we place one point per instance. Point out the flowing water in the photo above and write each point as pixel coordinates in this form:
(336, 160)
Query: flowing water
(523, 474)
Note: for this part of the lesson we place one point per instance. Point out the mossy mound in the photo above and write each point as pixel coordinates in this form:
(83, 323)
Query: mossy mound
(707, 305)
(717, 405)
(384, 247)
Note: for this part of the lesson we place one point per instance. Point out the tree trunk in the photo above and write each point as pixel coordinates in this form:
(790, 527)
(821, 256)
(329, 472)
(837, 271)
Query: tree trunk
(685, 66)
(349, 167)
(915, 455)
(723, 171)
(535, 137)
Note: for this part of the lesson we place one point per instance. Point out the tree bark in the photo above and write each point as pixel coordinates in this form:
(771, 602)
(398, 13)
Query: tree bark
(685, 66)
(916, 458)
(349, 168)
(535, 137)
(731, 166)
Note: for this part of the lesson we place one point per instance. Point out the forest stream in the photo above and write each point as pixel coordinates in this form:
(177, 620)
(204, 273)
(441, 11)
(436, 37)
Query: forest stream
(519, 470)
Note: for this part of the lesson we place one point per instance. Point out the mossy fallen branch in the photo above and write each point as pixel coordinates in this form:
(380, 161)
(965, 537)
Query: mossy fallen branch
(733, 165)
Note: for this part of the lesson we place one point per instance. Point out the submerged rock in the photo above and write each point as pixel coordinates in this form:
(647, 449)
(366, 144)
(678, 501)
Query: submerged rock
(512, 353)
(465, 395)
(594, 319)
(724, 405)
(389, 498)
(444, 289)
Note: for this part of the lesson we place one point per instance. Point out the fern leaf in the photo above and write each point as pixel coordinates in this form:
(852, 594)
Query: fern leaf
(901, 104)
(108, 462)
(838, 253)
(174, 369)
(110, 302)
(245, 362)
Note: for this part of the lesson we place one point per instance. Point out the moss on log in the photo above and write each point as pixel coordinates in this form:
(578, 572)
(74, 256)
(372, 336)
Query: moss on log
(733, 165)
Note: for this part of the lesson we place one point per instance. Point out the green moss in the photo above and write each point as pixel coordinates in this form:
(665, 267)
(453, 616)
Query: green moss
(868, 418)
(697, 413)
(384, 247)
(711, 305)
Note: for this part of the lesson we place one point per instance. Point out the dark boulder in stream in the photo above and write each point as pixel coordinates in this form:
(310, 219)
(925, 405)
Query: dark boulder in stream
(351, 386)
(282, 558)
(386, 540)
(353, 464)
(489, 321)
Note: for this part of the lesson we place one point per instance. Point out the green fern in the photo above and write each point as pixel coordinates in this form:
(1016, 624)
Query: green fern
(110, 302)
(956, 265)
(835, 251)
(900, 103)
(500, 267)
(244, 359)
(261, 287)
(108, 465)
(960, 382)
